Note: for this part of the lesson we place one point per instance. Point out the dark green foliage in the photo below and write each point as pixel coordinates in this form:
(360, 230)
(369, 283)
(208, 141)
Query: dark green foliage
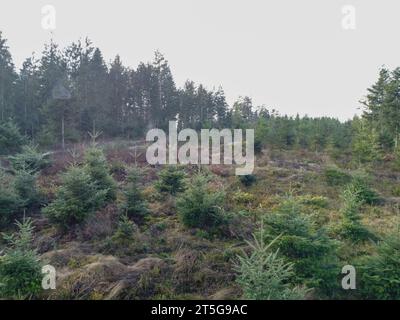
(124, 101)
(118, 168)
(76, 199)
(11, 139)
(308, 247)
(125, 231)
(8, 77)
(171, 180)
(248, 180)
(350, 226)
(360, 186)
(10, 203)
(20, 268)
(276, 131)
(17, 192)
(351, 204)
(354, 231)
(336, 177)
(379, 274)
(201, 207)
(365, 145)
(382, 112)
(201, 108)
(96, 167)
(358, 182)
(258, 145)
(26, 188)
(378, 131)
(134, 205)
(29, 159)
(264, 275)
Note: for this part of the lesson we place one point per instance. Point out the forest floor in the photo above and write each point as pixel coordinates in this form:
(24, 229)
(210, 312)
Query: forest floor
(164, 259)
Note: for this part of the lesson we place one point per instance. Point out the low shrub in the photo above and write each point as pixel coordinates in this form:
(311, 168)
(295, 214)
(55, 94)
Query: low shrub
(29, 159)
(134, 205)
(265, 275)
(201, 207)
(304, 244)
(96, 166)
(20, 267)
(379, 273)
(26, 188)
(361, 187)
(243, 198)
(125, 231)
(336, 177)
(248, 180)
(171, 180)
(350, 226)
(76, 199)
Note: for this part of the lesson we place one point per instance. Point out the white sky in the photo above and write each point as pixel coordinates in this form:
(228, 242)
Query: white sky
(291, 55)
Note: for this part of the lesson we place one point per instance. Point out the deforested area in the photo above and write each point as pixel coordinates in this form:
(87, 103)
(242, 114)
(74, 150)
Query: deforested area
(114, 187)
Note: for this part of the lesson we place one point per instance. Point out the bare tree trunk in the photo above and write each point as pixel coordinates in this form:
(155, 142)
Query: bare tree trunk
(25, 108)
(62, 132)
(2, 99)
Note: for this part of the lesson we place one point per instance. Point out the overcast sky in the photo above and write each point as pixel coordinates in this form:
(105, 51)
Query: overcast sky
(291, 55)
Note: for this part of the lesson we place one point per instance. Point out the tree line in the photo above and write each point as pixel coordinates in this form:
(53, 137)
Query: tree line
(118, 100)
(69, 91)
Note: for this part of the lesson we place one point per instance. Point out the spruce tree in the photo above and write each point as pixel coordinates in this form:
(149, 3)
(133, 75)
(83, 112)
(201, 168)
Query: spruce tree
(134, 205)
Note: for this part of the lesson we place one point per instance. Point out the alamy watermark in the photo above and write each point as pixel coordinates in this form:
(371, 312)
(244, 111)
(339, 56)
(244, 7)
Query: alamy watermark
(349, 280)
(198, 151)
(349, 17)
(48, 21)
(49, 277)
